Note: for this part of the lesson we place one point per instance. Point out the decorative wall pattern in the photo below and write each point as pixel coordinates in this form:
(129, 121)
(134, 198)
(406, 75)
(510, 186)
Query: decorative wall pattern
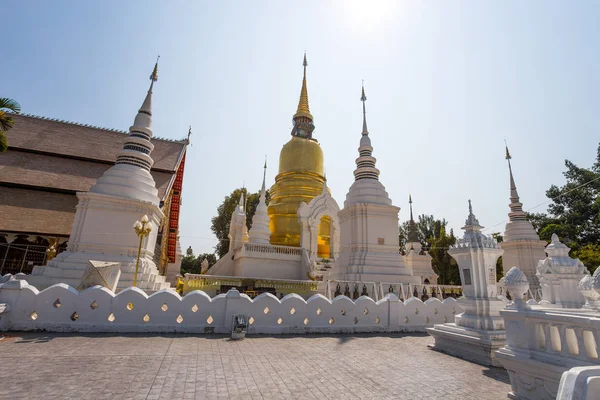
(61, 308)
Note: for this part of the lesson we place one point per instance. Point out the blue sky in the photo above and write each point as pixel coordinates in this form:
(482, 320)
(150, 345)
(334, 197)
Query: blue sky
(446, 81)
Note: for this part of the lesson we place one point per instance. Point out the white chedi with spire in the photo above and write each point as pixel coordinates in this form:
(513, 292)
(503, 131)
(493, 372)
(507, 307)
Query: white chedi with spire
(417, 261)
(130, 176)
(260, 233)
(238, 230)
(559, 276)
(366, 187)
(521, 244)
(102, 227)
(370, 250)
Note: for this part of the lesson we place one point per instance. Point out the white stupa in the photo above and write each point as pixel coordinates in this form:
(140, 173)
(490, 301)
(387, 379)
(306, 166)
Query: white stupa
(522, 245)
(369, 248)
(260, 233)
(417, 260)
(103, 225)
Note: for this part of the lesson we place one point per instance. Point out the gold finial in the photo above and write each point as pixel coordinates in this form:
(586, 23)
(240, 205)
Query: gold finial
(303, 109)
(154, 75)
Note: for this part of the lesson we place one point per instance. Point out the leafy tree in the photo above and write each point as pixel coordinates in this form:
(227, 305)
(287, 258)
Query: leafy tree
(427, 227)
(220, 223)
(433, 237)
(499, 268)
(191, 264)
(6, 121)
(574, 212)
(443, 264)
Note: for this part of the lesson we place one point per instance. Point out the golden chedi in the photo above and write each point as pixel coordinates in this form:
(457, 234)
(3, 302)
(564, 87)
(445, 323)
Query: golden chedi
(300, 179)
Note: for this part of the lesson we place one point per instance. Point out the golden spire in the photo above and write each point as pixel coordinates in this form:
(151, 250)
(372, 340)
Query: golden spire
(303, 110)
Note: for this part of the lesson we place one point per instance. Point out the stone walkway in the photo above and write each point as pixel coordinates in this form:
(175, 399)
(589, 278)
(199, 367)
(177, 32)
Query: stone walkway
(99, 366)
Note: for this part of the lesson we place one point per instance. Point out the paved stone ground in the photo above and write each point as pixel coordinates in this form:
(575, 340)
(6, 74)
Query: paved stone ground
(99, 366)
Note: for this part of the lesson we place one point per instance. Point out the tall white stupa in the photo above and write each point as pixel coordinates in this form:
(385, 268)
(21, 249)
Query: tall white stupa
(522, 245)
(369, 248)
(103, 225)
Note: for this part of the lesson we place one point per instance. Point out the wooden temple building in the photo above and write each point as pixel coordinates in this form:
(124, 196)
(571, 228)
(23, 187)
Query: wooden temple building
(47, 162)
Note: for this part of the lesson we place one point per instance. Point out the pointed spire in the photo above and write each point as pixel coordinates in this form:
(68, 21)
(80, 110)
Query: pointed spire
(303, 109)
(365, 163)
(303, 119)
(260, 233)
(413, 233)
(242, 203)
(263, 188)
(147, 104)
(472, 223)
(134, 161)
(140, 132)
(363, 98)
(516, 207)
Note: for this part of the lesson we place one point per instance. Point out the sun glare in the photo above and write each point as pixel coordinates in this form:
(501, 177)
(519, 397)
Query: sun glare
(369, 12)
(368, 15)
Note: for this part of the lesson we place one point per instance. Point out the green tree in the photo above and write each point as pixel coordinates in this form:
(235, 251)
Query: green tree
(499, 268)
(190, 264)
(434, 239)
(427, 227)
(443, 264)
(220, 222)
(574, 212)
(6, 121)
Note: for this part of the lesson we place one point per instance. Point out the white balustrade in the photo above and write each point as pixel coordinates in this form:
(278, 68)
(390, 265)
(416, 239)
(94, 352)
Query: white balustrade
(61, 308)
(543, 343)
(272, 249)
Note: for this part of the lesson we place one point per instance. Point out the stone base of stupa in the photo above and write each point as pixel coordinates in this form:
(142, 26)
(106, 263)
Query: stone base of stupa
(70, 267)
(478, 346)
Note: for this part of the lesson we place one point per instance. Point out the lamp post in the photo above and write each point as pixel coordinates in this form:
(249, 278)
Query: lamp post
(142, 229)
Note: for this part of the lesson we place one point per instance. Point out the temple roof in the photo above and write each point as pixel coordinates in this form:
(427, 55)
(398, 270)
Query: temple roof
(61, 138)
(48, 161)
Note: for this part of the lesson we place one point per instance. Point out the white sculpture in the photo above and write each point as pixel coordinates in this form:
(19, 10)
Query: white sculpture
(516, 283)
(559, 275)
(589, 287)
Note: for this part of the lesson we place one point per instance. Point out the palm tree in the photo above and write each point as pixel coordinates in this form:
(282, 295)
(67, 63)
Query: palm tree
(6, 121)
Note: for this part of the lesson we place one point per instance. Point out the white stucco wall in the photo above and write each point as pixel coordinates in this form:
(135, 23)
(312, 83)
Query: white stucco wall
(61, 308)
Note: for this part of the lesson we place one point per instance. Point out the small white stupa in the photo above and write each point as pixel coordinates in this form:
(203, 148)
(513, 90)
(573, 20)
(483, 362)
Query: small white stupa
(477, 333)
(522, 245)
(260, 233)
(105, 216)
(559, 276)
(417, 260)
(238, 230)
(369, 248)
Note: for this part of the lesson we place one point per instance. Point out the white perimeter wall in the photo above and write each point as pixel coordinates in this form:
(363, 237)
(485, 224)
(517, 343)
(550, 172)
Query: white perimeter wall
(60, 308)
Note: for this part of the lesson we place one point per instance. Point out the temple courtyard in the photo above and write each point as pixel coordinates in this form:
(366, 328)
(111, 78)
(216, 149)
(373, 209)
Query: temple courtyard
(140, 366)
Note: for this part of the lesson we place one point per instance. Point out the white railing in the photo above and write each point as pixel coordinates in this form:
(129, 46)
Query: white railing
(543, 343)
(271, 249)
(404, 291)
(60, 308)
